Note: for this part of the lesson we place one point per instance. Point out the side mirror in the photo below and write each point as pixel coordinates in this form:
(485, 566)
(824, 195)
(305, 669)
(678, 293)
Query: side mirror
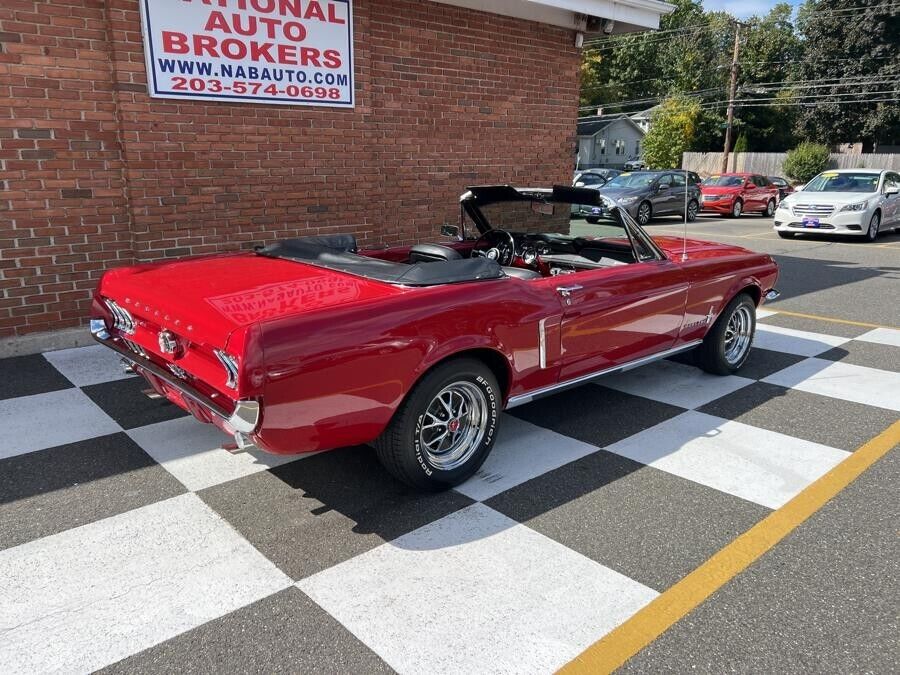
(662, 187)
(451, 231)
(891, 191)
(579, 184)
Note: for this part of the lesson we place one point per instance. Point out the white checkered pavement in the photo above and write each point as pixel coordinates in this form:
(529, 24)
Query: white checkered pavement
(130, 541)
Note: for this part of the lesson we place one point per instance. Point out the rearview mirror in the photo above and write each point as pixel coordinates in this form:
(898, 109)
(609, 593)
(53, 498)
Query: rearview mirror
(451, 231)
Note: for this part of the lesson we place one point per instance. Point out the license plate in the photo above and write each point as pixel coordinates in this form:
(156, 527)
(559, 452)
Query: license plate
(597, 211)
(810, 222)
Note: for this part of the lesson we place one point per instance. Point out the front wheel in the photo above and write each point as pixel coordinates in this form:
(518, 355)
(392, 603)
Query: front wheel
(737, 208)
(446, 427)
(874, 224)
(786, 235)
(691, 213)
(644, 213)
(727, 344)
(593, 220)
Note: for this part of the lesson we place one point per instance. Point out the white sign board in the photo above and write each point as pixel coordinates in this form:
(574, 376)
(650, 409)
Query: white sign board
(286, 52)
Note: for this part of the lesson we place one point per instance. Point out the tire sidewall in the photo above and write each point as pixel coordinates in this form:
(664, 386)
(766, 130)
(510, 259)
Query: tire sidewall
(770, 208)
(714, 344)
(690, 215)
(737, 208)
(419, 461)
(869, 234)
(649, 211)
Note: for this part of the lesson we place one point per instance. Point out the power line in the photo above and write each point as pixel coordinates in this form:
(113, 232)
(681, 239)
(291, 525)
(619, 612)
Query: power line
(811, 104)
(869, 58)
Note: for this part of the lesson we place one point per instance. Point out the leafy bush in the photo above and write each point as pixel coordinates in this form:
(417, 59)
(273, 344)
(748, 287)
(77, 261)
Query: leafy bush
(805, 161)
(741, 145)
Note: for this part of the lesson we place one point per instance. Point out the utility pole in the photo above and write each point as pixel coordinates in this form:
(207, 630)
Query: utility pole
(731, 94)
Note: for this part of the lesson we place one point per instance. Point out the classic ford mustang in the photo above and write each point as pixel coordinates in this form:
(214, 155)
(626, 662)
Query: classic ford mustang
(310, 344)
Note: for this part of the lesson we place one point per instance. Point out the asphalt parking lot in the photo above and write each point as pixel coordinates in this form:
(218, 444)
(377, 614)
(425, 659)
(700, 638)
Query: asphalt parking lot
(129, 542)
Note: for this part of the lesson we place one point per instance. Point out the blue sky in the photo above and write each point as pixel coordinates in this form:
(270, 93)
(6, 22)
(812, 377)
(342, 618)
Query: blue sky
(744, 8)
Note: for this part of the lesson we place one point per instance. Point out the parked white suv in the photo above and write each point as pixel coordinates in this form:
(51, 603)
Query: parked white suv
(859, 202)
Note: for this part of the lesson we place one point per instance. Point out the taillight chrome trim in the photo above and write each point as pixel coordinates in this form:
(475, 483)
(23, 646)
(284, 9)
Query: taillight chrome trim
(122, 319)
(230, 363)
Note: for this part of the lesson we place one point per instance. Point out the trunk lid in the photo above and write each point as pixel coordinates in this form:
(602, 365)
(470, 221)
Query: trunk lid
(206, 299)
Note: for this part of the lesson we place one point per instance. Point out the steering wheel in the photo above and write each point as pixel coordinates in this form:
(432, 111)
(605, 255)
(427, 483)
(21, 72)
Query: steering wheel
(497, 245)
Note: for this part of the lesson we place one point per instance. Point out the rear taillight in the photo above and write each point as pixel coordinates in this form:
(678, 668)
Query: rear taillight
(230, 364)
(122, 319)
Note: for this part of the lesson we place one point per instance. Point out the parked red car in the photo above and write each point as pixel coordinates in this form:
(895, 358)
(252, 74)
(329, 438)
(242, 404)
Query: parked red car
(310, 344)
(735, 193)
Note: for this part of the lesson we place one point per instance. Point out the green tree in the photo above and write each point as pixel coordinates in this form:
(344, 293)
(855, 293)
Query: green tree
(805, 161)
(852, 46)
(673, 127)
(741, 144)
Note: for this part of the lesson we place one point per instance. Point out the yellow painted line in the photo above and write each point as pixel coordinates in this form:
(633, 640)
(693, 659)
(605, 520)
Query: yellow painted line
(832, 319)
(619, 645)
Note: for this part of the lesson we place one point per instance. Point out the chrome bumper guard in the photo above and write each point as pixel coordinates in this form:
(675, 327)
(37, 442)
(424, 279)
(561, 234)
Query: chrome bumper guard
(245, 417)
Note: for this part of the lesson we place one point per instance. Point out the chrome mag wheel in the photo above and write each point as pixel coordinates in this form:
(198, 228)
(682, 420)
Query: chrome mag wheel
(738, 335)
(737, 209)
(643, 214)
(692, 212)
(454, 425)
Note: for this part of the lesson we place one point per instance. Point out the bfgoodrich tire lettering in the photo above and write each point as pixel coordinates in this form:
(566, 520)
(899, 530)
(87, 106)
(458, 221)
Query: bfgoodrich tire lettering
(446, 427)
(727, 344)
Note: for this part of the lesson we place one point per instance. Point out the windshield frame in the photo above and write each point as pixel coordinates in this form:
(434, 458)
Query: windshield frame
(485, 195)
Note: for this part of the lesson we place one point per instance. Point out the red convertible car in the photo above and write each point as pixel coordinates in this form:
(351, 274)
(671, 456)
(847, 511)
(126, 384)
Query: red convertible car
(310, 344)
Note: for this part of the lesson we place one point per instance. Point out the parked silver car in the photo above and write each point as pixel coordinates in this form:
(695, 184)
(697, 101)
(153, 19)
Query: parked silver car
(647, 194)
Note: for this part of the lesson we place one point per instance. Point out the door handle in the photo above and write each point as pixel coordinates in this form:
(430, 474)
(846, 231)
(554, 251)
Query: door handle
(566, 291)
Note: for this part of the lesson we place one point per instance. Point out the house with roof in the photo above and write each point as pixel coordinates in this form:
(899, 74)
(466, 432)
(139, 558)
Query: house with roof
(608, 141)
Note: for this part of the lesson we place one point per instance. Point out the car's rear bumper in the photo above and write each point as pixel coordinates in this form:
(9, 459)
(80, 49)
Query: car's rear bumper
(240, 419)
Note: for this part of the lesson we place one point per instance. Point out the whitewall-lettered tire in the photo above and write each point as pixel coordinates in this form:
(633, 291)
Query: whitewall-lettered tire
(446, 427)
(727, 344)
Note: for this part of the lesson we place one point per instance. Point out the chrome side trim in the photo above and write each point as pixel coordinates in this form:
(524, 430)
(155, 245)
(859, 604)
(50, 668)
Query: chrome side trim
(229, 363)
(542, 342)
(560, 386)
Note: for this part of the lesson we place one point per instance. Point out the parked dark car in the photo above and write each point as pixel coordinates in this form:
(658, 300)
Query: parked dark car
(647, 194)
(784, 188)
(593, 178)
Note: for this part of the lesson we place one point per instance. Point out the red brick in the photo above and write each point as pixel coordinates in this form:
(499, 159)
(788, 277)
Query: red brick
(446, 97)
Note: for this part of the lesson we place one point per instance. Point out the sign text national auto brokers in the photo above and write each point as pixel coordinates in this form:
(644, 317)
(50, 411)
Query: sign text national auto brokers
(288, 52)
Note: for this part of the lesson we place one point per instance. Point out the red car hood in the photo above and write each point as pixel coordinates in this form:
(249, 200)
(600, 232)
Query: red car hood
(214, 295)
(698, 248)
(719, 190)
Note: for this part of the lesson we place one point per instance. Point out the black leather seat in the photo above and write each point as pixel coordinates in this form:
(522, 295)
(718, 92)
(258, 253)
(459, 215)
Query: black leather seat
(432, 253)
(521, 273)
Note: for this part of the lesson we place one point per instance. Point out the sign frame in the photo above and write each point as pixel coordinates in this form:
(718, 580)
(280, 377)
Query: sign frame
(154, 91)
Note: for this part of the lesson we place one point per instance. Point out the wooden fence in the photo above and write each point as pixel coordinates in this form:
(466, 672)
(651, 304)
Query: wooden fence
(769, 163)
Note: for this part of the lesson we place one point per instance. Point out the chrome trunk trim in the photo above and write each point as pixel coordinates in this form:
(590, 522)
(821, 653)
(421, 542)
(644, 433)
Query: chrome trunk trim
(560, 386)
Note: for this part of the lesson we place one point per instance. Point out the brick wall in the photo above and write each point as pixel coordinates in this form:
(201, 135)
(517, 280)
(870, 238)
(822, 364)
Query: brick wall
(95, 173)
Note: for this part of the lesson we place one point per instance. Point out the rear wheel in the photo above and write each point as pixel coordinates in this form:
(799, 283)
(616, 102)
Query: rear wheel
(445, 428)
(727, 344)
(770, 209)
